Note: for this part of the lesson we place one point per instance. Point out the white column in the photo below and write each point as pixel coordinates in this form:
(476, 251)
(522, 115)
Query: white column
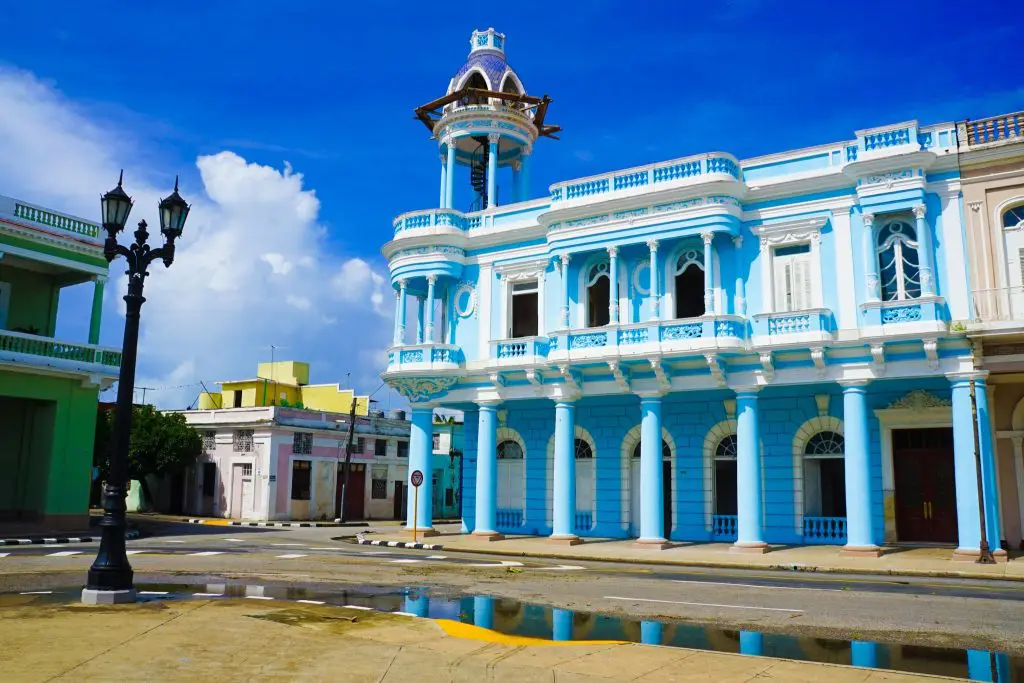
(924, 251)
(870, 259)
(444, 182)
(842, 233)
(517, 195)
(492, 170)
(740, 305)
(709, 275)
(564, 261)
(419, 319)
(428, 334)
(655, 281)
(765, 266)
(449, 194)
(400, 313)
(816, 289)
(613, 285)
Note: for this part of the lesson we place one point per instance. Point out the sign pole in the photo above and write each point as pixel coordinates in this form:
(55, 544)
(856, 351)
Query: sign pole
(415, 512)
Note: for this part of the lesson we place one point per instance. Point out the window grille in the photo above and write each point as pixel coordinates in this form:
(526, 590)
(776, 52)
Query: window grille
(209, 441)
(510, 450)
(303, 443)
(898, 262)
(242, 441)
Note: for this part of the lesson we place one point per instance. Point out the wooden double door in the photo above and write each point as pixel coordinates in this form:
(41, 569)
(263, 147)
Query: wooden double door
(356, 490)
(923, 474)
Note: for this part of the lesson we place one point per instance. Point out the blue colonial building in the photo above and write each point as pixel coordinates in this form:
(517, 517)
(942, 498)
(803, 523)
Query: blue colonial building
(757, 351)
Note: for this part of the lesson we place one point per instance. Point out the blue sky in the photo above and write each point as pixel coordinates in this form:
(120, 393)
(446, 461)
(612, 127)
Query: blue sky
(329, 88)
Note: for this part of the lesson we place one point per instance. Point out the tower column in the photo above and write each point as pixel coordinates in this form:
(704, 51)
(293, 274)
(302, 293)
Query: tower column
(613, 285)
(655, 289)
(517, 167)
(564, 512)
(444, 183)
(428, 334)
(449, 193)
(564, 261)
(857, 464)
(965, 474)
(99, 281)
(400, 313)
(652, 489)
(924, 251)
(740, 305)
(492, 169)
(420, 457)
(994, 532)
(750, 517)
(524, 174)
(709, 275)
(419, 319)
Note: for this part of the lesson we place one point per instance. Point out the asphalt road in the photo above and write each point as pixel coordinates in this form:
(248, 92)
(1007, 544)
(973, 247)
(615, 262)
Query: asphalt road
(929, 611)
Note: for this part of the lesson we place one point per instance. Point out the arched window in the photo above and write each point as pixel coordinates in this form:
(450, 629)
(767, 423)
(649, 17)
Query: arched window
(689, 284)
(725, 476)
(666, 452)
(510, 450)
(476, 80)
(898, 262)
(583, 450)
(598, 295)
(825, 475)
(1014, 218)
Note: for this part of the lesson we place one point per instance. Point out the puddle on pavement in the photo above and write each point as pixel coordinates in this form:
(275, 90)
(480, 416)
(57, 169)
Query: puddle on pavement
(538, 621)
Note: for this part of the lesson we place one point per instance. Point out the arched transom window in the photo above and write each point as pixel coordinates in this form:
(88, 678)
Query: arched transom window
(1014, 218)
(510, 450)
(582, 450)
(725, 496)
(825, 475)
(898, 262)
(666, 452)
(598, 295)
(689, 284)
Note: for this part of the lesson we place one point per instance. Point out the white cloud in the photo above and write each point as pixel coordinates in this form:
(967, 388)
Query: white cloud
(252, 269)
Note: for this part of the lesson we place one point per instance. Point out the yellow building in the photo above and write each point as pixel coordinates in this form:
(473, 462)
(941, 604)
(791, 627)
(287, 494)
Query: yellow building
(284, 383)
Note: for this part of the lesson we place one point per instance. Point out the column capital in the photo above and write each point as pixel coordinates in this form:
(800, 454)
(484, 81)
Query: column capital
(527, 150)
(493, 138)
(490, 404)
(707, 236)
(977, 376)
(565, 402)
(98, 279)
(403, 283)
(431, 279)
(613, 252)
(919, 211)
(516, 164)
(854, 384)
(565, 258)
(869, 220)
(737, 241)
(750, 390)
(654, 395)
(652, 245)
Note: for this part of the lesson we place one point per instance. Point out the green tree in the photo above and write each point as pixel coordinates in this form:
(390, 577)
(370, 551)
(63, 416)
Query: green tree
(161, 444)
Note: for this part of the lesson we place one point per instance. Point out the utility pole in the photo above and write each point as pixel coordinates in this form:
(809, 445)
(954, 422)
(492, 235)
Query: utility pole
(348, 457)
(984, 551)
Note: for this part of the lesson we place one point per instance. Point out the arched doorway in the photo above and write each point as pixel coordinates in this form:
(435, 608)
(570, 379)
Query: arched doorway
(511, 478)
(689, 285)
(666, 487)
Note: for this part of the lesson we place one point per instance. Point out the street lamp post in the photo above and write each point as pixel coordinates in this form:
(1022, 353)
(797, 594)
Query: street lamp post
(110, 577)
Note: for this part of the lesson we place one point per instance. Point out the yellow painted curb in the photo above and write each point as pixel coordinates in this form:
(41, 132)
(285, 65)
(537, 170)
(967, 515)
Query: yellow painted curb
(457, 629)
(217, 522)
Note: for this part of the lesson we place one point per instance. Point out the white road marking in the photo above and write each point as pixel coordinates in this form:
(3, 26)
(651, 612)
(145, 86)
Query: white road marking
(37, 592)
(288, 545)
(258, 597)
(172, 541)
(365, 609)
(320, 547)
(207, 553)
(566, 567)
(704, 604)
(152, 593)
(377, 552)
(65, 553)
(235, 540)
(312, 602)
(751, 585)
(405, 614)
(437, 557)
(207, 595)
(133, 552)
(504, 563)
(405, 561)
(293, 556)
(4, 554)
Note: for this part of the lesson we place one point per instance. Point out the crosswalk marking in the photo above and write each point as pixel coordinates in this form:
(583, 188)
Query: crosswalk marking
(65, 553)
(152, 593)
(207, 595)
(293, 556)
(207, 553)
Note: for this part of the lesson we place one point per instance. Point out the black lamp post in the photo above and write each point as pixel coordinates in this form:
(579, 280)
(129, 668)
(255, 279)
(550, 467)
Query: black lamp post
(110, 577)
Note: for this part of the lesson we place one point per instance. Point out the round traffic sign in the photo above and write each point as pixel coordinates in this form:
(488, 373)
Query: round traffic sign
(417, 478)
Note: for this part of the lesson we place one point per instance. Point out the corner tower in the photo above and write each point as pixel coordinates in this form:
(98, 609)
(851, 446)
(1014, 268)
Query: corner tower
(486, 122)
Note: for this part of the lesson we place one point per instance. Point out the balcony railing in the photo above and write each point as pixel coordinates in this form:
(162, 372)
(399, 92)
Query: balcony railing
(706, 332)
(700, 168)
(1005, 128)
(825, 530)
(999, 305)
(31, 346)
(429, 356)
(52, 219)
(793, 326)
(583, 522)
(520, 351)
(929, 311)
(509, 519)
(429, 218)
(724, 527)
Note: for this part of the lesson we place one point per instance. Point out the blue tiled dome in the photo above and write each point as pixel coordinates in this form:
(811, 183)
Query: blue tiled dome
(494, 66)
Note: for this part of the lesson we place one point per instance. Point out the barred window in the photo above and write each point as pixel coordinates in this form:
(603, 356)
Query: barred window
(303, 443)
(241, 441)
(403, 449)
(583, 450)
(360, 445)
(209, 441)
(247, 469)
(379, 490)
(380, 447)
(435, 442)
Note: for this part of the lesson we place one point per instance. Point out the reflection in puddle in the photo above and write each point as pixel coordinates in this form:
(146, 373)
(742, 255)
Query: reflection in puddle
(538, 621)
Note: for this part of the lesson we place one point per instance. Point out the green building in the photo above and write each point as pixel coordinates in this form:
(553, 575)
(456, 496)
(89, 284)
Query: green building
(48, 387)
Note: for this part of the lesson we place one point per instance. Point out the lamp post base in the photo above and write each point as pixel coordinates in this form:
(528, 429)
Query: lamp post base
(91, 596)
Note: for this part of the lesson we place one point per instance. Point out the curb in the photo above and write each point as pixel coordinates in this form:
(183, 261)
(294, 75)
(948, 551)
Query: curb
(400, 544)
(214, 522)
(791, 567)
(129, 535)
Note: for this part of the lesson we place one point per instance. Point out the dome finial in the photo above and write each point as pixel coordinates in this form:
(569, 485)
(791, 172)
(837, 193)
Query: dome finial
(489, 40)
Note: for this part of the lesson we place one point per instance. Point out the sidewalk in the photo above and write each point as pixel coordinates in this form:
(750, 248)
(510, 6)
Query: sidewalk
(934, 562)
(251, 640)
